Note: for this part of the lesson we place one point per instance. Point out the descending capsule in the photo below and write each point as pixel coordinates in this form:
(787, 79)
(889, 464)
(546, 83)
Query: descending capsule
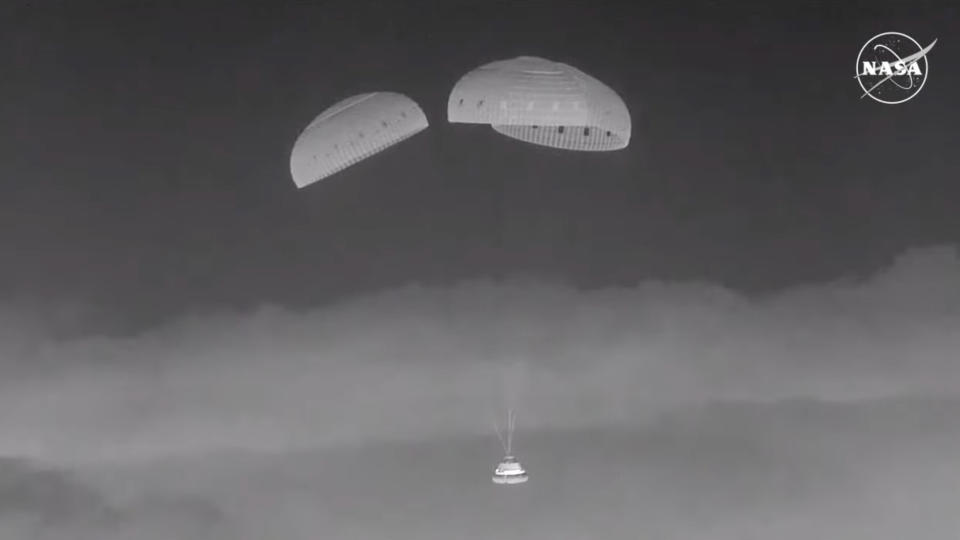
(353, 130)
(509, 472)
(542, 102)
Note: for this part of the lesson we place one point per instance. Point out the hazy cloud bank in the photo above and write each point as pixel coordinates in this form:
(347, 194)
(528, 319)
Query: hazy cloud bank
(665, 411)
(407, 363)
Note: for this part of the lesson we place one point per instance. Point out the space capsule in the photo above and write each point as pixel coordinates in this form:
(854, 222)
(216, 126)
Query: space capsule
(509, 471)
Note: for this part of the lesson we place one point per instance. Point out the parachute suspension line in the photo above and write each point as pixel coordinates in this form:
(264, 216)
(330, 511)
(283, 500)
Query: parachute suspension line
(503, 443)
(510, 426)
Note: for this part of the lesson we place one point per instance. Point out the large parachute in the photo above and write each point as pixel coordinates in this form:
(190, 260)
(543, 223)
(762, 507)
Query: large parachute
(352, 130)
(542, 102)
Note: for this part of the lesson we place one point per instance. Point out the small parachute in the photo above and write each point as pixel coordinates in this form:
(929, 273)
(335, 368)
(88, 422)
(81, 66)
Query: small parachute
(509, 471)
(542, 102)
(352, 130)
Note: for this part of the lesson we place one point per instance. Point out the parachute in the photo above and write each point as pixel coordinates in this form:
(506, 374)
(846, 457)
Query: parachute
(353, 130)
(527, 98)
(542, 102)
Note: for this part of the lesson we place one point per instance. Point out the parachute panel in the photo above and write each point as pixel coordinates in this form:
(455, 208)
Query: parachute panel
(585, 139)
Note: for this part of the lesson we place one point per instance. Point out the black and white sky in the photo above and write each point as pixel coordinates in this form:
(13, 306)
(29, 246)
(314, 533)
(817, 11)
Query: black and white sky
(746, 325)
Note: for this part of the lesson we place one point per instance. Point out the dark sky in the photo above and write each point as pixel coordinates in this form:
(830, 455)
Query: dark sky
(144, 151)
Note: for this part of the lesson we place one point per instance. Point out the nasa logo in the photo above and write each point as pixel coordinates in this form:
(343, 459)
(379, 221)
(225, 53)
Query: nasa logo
(892, 67)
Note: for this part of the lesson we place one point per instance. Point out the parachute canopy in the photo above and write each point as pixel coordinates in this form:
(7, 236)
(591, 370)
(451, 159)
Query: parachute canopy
(542, 102)
(352, 130)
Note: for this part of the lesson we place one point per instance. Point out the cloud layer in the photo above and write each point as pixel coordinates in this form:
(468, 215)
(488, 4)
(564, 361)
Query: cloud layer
(416, 361)
(662, 411)
(880, 469)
